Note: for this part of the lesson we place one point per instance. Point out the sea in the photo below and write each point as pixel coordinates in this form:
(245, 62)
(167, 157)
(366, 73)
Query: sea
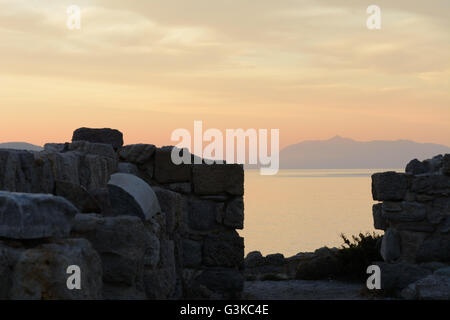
(302, 210)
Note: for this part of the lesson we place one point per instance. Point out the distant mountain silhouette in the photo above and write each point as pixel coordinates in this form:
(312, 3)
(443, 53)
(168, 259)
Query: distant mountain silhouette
(344, 153)
(20, 146)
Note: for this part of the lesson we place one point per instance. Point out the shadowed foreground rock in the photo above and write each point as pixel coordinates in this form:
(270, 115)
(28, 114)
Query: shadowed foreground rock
(40, 272)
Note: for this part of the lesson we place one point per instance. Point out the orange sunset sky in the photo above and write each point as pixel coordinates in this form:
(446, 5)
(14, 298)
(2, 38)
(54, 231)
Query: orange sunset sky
(310, 68)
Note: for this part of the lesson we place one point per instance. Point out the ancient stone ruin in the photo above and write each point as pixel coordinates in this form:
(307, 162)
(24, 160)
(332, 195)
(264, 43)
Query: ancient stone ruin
(138, 226)
(414, 212)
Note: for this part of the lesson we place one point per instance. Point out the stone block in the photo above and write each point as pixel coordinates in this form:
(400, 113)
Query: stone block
(130, 195)
(105, 136)
(34, 216)
(218, 178)
(137, 153)
(225, 249)
(389, 186)
(168, 172)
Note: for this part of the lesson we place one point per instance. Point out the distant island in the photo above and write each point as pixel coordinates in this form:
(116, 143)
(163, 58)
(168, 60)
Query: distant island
(345, 153)
(20, 146)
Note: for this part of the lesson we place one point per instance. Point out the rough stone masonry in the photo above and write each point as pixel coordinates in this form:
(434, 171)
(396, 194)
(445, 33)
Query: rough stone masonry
(414, 212)
(138, 226)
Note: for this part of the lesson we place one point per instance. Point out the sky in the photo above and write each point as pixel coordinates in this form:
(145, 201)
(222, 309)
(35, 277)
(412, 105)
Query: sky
(310, 68)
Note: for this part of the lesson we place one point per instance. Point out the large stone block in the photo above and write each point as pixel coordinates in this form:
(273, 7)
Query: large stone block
(389, 186)
(234, 214)
(24, 171)
(130, 195)
(435, 248)
(446, 164)
(105, 136)
(168, 172)
(397, 276)
(411, 243)
(171, 204)
(404, 211)
(78, 196)
(8, 258)
(439, 211)
(192, 253)
(379, 222)
(417, 167)
(218, 178)
(41, 272)
(391, 246)
(34, 216)
(123, 244)
(432, 287)
(137, 153)
(202, 215)
(225, 249)
(160, 283)
(431, 184)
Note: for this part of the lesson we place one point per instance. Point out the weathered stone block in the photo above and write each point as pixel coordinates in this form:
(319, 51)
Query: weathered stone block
(105, 135)
(225, 249)
(411, 243)
(181, 187)
(41, 272)
(254, 259)
(389, 186)
(446, 164)
(432, 184)
(137, 153)
(439, 211)
(192, 253)
(171, 204)
(160, 283)
(203, 215)
(234, 214)
(218, 178)
(78, 196)
(417, 167)
(127, 167)
(432, 287)
(8, 258)
(34, 216)
(123, 244)
(379, 221)
(397, 276)
(130, 195)
(391, 246)
(435, 248)
(166, 171)
(404, 211)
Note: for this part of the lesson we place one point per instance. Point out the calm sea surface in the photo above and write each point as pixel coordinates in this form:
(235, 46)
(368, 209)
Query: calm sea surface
(302, 210)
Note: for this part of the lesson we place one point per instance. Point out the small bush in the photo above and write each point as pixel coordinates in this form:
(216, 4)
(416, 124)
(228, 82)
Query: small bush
(357, 253)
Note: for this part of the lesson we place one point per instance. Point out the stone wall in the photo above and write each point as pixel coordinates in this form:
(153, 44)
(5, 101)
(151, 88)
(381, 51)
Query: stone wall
(138, 226)
(414, 212)
(204, 206)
